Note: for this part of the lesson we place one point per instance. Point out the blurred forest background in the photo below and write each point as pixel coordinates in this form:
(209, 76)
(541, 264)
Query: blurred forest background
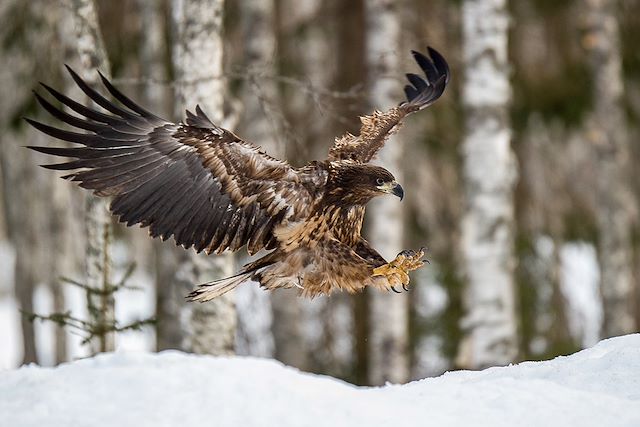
(520, 180)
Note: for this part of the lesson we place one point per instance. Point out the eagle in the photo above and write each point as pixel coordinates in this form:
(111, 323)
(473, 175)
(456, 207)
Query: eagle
(213, 191)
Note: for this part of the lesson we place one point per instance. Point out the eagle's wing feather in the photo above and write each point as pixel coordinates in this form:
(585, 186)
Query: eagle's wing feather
(377, 127)
(194, 181)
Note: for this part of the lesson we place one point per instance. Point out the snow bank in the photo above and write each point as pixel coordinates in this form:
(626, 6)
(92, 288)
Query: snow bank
(596, 387)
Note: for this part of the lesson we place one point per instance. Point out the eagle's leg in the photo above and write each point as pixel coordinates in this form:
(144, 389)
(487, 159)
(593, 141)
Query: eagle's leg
(396, 271)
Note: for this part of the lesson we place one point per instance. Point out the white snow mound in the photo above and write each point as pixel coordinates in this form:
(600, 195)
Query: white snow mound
(595, 387)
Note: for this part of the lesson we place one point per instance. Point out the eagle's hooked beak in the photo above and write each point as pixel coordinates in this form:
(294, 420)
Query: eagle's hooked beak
(393, 188)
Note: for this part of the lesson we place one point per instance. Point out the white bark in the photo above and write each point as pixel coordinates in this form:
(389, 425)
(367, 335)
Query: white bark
(197, 60)
(389, 312)
(489, 171)
(615, 204)
(92, 55)
(259, 124)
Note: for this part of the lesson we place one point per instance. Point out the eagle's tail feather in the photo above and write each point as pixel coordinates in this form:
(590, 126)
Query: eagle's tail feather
(210, 290)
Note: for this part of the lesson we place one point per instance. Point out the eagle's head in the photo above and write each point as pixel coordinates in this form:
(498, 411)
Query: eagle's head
(358, 184)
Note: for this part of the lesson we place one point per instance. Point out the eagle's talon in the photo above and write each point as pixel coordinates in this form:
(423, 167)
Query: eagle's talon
(407, 253)
(395, 290)
(405, 287)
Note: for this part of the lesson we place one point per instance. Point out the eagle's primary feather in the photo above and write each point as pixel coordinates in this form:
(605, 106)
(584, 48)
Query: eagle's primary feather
(210, 190)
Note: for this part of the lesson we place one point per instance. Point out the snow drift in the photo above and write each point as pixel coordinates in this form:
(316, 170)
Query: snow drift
(595, 387)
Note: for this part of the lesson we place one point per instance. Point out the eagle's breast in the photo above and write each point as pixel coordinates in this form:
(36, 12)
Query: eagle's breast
(342, 223)
(345, 223)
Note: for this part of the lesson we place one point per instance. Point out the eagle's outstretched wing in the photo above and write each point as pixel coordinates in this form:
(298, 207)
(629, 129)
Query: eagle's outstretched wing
(194, 181)
(376, 128)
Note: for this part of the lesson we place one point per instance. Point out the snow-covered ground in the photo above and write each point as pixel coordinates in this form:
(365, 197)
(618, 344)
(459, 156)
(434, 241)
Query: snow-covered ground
(595, 387)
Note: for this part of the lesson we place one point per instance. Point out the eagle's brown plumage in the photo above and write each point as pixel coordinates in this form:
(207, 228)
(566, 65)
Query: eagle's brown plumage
(210, 190)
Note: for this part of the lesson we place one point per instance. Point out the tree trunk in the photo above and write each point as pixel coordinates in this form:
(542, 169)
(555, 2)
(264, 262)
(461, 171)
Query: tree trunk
(389, 312)
(20, 189)
(197, 61)
(63, 259)
(18, 179)
(92, 55)
(489, 171)
(608, 136)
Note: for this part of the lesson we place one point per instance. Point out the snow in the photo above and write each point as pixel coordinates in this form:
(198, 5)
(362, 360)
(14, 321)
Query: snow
(595, 387)
(10, 333)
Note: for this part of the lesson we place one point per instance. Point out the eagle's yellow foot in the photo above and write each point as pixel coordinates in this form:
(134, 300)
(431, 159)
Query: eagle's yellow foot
(396, 271)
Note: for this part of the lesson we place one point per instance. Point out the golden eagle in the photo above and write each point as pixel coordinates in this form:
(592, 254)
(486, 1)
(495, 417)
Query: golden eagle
(211, 190)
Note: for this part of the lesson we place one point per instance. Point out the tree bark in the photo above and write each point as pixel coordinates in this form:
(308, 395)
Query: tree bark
(608, 136)
(20, 193)
(490, 323)
(19, 181)
(93, 57)
(197, 61)
(389, 312)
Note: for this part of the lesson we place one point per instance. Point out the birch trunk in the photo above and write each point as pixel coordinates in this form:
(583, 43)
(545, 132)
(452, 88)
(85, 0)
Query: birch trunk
(64, 201)
(63, 258)
(608, 136)
(260, 123)
(92, 56)
(197, 61)
(489, 325)
(389, 312)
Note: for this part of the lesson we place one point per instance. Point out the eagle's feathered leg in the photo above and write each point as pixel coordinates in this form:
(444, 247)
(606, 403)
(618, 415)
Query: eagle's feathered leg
(397, 270)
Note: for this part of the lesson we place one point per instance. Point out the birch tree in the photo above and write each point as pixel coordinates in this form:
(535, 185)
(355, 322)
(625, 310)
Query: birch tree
(608, 136)
(489, 166)
(197, 61)
(389, 312)
(92, 57)
(64, 201)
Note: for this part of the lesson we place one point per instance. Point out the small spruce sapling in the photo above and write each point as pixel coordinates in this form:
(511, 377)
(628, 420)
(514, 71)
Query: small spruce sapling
(98, 326)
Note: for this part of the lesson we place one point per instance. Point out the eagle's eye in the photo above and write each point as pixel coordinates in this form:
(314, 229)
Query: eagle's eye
(379, 181)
